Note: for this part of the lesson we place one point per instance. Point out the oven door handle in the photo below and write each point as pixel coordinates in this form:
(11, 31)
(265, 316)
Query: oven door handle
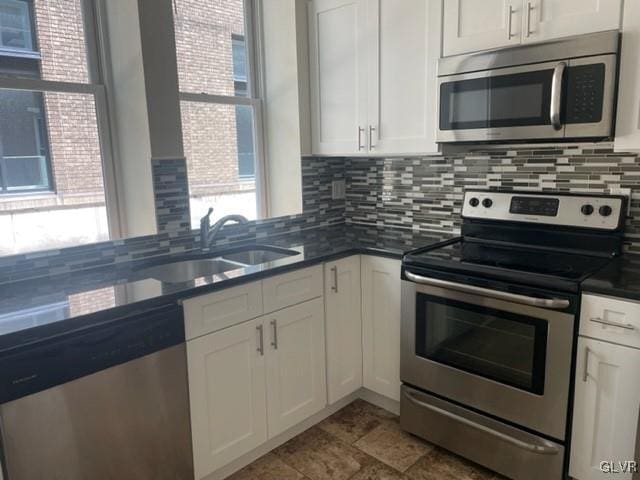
(530, 447)
(555, 303)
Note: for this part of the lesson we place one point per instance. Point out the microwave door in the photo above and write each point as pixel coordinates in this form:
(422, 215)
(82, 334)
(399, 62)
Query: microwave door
(512, 103)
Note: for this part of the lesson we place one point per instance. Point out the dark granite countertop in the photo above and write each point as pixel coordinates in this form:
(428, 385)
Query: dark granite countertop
(621, 278)
(32, 310)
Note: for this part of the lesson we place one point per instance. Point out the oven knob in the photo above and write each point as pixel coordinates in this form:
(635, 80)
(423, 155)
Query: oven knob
(587, 209)
(474, 202)
(605, 210)
(487, 202)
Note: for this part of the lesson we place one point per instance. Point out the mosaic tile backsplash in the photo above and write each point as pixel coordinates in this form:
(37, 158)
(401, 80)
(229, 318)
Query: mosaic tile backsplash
(426, 193)
(171, 192)
(419, 193)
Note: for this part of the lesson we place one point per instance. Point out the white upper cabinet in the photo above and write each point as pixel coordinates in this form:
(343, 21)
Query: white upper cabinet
(549, 19)
(404, 46)
(373, 76)
(471, 25)
(628, 121)
(343, 321)
(337, 32)
(605, 413)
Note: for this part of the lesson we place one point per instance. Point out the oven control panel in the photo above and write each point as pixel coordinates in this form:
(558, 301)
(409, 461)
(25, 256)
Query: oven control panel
(604, 212)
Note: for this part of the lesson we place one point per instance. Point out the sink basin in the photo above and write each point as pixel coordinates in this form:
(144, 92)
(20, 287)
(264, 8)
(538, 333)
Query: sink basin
(258, 255)
(179, 272)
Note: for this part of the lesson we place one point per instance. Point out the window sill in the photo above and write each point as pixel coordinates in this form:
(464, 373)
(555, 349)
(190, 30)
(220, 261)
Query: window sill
(8, 52)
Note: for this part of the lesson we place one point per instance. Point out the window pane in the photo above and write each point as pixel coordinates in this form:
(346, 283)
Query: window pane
(15, 25)
(50, 138)
(24, 153)
(210, 47)
(47, 35)
(26, 172)
(219, 147)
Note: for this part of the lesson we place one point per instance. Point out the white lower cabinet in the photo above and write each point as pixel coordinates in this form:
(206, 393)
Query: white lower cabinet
(296, 379)
(606, 408)
(252, 381)
(380, 279)
(343, 325)
(227, 379)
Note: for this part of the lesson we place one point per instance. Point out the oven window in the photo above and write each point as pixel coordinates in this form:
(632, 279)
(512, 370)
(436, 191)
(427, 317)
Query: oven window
(514, 100)
(501, 346)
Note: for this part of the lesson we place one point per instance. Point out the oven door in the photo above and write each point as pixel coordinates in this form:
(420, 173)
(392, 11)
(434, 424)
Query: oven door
(564, 99)
(499, 356)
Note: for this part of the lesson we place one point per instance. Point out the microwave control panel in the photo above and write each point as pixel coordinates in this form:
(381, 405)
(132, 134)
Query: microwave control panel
(585, 93)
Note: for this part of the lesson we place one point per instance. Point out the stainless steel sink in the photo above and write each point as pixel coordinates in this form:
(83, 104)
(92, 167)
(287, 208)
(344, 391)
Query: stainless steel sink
(259, 255)
(184, 271)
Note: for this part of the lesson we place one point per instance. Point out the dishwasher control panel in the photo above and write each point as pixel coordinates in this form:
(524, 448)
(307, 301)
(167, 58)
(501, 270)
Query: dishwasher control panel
(50, 362)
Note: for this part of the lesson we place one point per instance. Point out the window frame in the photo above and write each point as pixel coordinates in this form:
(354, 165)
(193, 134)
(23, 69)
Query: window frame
(96, 45)
(255, 87)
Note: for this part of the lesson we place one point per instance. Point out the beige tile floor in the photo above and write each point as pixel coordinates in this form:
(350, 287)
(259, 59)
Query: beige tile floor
(361, 442)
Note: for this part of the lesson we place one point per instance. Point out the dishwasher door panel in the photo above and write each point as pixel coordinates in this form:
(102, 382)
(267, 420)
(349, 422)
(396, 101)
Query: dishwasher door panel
(128, 421)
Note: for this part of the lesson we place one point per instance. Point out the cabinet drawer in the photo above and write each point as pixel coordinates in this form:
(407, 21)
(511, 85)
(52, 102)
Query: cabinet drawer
(218, 310)
(611, 319)
(291, 288)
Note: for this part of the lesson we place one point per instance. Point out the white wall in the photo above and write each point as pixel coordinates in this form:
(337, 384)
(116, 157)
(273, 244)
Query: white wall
(287, 132)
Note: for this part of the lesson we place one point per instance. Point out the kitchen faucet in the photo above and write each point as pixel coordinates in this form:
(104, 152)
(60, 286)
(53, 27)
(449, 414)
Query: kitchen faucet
(208, 232)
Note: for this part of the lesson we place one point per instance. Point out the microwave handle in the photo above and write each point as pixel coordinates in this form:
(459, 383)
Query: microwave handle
(556, 95)
(556, 303)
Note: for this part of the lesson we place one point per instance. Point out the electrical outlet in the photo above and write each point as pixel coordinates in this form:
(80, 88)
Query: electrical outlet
(338, 190)
(623, 191)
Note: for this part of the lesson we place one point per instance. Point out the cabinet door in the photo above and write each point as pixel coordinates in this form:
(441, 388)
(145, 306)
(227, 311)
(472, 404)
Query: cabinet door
(296, 379)
(627, 135)
(548, 19)
(381, 325)
(337, 44)
(403, 56)
(605, 413)
(343, 324)
(470, 25)
(227, 395)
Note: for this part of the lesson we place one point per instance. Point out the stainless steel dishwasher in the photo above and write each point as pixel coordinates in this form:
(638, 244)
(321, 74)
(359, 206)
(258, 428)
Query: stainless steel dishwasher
(104, 403)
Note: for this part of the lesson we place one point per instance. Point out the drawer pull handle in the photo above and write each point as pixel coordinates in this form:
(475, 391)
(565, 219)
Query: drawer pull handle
(626, 326)
(530, 447)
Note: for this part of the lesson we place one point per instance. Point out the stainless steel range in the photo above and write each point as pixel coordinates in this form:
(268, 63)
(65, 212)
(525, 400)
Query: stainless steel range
(489, 323)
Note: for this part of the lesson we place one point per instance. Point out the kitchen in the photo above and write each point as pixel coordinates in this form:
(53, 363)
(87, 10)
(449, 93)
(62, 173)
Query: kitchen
(317, 239)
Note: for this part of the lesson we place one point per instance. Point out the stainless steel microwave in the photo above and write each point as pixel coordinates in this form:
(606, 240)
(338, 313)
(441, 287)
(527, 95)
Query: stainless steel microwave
(555, 91)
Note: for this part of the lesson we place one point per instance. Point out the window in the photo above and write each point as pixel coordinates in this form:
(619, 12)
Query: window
(15, 25)
(52, 121)
(220, 106)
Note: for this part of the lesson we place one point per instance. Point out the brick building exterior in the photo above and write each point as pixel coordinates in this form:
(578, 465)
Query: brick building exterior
(75, 194)
(205, 34)
(70, 209)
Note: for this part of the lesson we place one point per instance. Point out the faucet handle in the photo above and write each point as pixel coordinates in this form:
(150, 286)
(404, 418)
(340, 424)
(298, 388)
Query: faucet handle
(205, 220)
